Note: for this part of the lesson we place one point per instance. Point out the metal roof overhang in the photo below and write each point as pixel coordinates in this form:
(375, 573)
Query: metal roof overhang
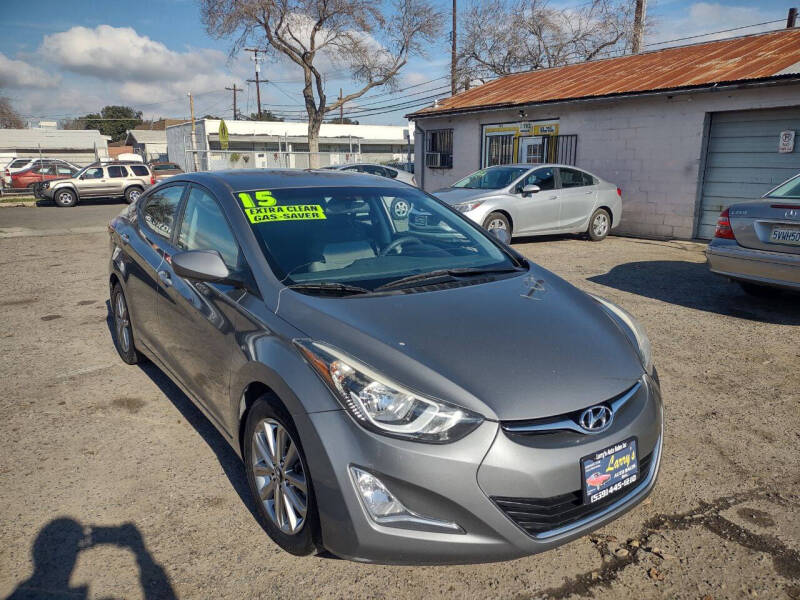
(721, 85)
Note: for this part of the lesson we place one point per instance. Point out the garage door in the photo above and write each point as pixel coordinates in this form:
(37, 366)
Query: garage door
(743, 160)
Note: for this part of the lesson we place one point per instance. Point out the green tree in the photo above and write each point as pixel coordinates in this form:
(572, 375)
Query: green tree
(266, 115)
(112, 120)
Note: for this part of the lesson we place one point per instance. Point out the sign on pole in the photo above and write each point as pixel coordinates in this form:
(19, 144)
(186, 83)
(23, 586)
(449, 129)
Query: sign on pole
(786, 143)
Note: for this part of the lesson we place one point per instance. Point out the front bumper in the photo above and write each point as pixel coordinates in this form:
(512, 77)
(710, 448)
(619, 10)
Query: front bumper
(778, 269)
(457, 483)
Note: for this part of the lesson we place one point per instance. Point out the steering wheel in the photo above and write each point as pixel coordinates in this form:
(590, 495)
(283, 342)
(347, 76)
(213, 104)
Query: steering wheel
(399, 242)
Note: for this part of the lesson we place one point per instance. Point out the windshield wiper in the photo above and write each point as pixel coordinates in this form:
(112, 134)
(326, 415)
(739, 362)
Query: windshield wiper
(440, 273)
(330, 287)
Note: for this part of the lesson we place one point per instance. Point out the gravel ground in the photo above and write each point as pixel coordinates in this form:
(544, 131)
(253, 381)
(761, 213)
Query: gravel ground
(113, 485)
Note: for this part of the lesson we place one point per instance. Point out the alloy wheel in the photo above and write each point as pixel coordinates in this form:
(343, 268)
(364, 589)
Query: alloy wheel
(133, 195)
(279, 476)
(123, 323)
(65, 198)
(496, 224)
(600, 224)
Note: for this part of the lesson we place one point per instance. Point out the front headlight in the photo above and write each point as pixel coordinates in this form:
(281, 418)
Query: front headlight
(636, 330)
(385, 407)
(468, 206)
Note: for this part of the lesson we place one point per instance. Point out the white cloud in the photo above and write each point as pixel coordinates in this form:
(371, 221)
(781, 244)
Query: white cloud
(121, 54)
(19, 74)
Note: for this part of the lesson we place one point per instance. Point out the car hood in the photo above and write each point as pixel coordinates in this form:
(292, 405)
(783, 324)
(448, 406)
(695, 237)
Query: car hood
(457, 195)
(523, 347)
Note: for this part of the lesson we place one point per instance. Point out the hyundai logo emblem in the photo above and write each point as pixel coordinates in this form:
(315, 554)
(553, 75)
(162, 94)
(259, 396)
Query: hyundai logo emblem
(596, 419)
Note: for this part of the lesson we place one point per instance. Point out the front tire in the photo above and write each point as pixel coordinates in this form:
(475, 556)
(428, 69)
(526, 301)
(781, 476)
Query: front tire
(132, 194)
(123, 330)
(278, 477)
(599, 225)
(65, 198)
(497, 220)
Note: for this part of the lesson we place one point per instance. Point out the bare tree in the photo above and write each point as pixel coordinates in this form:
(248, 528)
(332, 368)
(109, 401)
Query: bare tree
(353, 34)
(502, 37)
(9, 118)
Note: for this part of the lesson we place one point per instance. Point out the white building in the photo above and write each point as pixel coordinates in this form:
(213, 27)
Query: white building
(74, 145)
(150, 144)
(683, 131)
(285, 143)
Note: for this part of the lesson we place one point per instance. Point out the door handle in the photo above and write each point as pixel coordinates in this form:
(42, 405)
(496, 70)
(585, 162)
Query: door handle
(125, 238)
(165, 278)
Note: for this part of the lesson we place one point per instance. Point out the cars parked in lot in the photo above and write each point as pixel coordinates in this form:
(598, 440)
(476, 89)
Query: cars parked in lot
(29, 178)
(526, 199)
(162, 170)
(17, 165)
(327, 342)
(758, 243)
(100, 180)
(379, 170)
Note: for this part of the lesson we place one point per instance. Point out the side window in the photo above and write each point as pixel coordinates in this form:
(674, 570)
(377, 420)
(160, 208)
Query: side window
(117, 171)
(544, 178)
(66, 171)
(204, 228)
(96, 173)
(373, 170)
(161, 208)
(391, 173)
(140, 170)
(354, 168)
(571, 178)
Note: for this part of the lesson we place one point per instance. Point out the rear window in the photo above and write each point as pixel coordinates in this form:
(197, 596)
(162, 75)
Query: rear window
(790, 190)
(165, 167)
(140, 170)
(19, 163)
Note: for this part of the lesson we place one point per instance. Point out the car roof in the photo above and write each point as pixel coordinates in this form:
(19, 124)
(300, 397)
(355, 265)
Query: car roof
(254, 179)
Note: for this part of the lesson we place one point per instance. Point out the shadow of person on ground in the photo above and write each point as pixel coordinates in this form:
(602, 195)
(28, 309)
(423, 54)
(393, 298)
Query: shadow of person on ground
(692, 285)
(56, 550)
(228, 459)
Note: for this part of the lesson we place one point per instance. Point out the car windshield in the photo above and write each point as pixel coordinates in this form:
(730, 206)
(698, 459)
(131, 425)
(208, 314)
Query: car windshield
(492, 178)
(362, 236)
(789, 190)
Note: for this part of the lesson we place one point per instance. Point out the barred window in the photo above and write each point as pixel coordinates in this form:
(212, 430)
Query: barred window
(439, 149)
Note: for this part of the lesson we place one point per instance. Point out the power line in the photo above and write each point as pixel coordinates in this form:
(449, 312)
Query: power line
(692, 37)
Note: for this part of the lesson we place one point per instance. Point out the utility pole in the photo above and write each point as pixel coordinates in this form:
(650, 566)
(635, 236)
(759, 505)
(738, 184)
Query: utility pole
(453, 51)
(638, 25)
(257, 59)
(341, 108)
(194, 132)
(791, 20)
(234, 89)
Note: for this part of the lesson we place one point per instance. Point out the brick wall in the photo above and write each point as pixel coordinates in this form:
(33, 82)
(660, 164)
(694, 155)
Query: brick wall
(651, 147)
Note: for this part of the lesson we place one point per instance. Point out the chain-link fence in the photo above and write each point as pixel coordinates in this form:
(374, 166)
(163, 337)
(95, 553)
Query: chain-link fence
(216, 160)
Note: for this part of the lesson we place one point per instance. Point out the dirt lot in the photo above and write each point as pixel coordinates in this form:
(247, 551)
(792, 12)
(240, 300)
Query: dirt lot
(113, 485)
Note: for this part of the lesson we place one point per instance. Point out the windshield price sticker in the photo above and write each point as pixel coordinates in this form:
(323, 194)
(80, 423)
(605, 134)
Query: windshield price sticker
(265, 209)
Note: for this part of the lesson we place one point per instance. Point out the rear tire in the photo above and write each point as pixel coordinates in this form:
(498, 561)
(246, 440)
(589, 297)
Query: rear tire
(123, 328)
(270, 464)
(65, 198)
(758, 291)
(599, 225)
(497, 220)
(132, 194)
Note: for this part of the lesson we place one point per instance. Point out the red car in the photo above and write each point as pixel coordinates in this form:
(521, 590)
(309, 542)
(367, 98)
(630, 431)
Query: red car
(30, 177)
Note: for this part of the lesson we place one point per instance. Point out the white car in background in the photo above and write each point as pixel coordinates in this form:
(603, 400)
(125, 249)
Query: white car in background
(529, 199)
(379, 170)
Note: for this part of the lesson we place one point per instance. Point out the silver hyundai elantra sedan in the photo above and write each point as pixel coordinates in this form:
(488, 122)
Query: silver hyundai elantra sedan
(396, 396)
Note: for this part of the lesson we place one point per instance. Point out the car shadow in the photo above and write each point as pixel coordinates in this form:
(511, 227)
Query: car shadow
(45, 203)
(57, 548)
(692, 285)
(228, 459)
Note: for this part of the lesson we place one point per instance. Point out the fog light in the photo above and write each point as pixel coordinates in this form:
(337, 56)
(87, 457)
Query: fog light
(385, 509)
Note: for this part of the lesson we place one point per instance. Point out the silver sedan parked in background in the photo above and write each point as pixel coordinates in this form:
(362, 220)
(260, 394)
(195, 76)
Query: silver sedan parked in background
(379, 170)
(529, 199)
(758, 243)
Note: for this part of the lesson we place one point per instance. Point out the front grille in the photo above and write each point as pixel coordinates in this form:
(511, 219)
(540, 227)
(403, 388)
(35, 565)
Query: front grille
(538, 515)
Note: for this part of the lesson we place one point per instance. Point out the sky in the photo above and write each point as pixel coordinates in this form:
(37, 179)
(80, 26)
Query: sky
(65, 59)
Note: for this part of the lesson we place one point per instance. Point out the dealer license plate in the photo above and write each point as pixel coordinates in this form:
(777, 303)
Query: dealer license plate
(785, 235)
(610, 471)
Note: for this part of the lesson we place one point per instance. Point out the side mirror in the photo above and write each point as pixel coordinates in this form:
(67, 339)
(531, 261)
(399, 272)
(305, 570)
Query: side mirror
(501, 235)
(200, 265)
(530, 189)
